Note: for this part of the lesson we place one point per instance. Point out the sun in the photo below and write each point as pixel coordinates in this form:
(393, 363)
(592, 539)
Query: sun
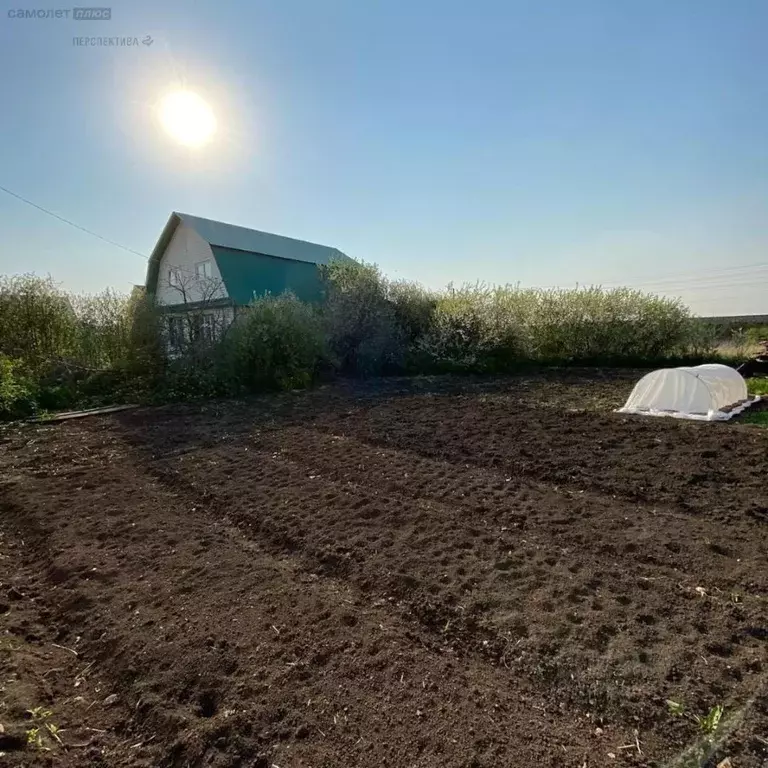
(187, 118)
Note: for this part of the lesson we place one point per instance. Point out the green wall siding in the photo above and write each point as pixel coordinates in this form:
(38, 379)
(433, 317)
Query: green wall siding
(246, 275)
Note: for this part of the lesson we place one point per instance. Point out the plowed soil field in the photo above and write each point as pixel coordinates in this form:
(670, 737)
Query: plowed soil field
(437, 573)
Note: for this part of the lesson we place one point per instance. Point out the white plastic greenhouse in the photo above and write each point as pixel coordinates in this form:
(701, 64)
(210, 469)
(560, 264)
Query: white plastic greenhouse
(711, 392)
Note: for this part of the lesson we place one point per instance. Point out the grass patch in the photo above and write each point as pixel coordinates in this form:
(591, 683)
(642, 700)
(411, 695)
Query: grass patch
(760, 418)
(757, 386)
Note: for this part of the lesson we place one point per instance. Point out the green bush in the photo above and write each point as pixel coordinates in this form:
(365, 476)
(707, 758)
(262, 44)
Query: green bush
(701, 339)
(103, 328)
(17, 390)
(469, 331)
(75, 350)
(414, 308)
(276, 343)
(361, 321)
(145, 352)
(495, 329)
(186, 378)
(45, 326)
(597, 325)
(38, 324)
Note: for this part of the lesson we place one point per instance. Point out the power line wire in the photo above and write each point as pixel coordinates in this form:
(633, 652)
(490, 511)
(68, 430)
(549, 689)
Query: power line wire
(71, 223)
(759, 281)
(693, 281)
(755, 273)
(675, 277)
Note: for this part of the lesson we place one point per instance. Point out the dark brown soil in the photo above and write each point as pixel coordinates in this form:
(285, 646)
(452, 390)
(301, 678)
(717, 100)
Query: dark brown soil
(437, 573)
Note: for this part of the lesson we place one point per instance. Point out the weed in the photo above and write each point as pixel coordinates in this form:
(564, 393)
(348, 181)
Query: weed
(35, 739)
(707, 724)
(711, 720)
(42, 729)
(53, 729)
(675, 708)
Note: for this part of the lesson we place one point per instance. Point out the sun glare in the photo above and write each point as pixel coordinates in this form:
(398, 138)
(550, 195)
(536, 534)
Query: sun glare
(187, 118)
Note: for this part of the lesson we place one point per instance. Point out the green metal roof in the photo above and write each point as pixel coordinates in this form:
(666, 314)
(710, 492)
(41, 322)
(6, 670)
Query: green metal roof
(240, 252)
(248, 276)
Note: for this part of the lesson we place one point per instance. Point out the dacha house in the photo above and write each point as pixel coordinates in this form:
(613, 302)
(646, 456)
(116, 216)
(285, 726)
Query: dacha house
(202, 271)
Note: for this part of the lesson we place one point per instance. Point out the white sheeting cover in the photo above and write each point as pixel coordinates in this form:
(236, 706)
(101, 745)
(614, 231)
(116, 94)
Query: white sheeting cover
(700, 392)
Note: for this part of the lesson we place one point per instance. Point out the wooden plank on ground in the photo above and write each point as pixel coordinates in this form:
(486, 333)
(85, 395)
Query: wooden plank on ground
(80, 414)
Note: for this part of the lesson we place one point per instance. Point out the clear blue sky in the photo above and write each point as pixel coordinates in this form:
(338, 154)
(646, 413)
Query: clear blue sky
(547, 142)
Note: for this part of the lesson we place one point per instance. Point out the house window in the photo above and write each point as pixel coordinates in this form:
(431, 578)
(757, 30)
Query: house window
(174, 277)
(202, 327)
(207, 328)
(203, 269)
(175, 332)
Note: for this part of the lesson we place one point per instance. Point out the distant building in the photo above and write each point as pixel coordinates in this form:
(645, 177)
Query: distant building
(201, 271)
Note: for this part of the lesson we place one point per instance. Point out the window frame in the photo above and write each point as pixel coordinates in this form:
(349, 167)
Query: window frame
(207, 271)
(174, 277)
(176, 334)
(207, 328)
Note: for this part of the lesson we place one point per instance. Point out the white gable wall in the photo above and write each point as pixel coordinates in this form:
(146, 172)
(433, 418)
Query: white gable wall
(185, 250)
